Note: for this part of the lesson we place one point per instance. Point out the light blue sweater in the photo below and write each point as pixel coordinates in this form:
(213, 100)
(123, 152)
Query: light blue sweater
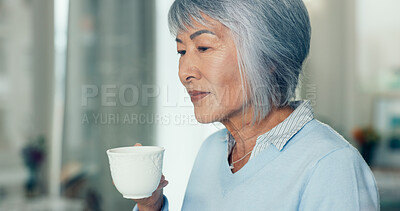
(316, 170)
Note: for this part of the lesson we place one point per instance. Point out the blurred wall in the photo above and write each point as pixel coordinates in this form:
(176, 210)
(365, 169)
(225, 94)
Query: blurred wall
(353, 43)
(26, 80)
(109, 84)
(329, 76)
(43, 75)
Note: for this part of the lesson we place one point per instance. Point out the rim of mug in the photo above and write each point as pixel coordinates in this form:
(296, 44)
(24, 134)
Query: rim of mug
(160, 149)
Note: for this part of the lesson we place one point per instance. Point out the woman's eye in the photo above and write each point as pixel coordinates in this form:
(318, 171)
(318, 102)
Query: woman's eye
(202, 49)
(182, 52)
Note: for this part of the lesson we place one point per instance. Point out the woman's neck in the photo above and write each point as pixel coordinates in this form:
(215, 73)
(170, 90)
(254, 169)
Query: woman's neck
(245, 134)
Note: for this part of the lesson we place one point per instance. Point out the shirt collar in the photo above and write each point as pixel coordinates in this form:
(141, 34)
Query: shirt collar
(280, 134)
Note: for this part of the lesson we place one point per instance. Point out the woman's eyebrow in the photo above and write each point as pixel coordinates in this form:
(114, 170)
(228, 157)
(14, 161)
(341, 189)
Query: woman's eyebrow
(196, 34)
(178, 40)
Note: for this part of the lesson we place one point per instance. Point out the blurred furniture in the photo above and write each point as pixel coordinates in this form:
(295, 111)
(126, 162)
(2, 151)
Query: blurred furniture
(43, 204)
(388, 181)
(12, 176)
(386, 165)
(386, 121)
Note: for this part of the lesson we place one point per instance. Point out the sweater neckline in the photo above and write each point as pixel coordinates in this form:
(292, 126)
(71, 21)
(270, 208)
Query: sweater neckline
(231, 180)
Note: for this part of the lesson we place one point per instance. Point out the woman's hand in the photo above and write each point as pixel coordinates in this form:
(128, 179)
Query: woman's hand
(155, 201)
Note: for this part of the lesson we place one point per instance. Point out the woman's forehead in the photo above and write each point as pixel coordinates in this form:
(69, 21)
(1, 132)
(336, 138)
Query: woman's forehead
(206, 22)
(212, 26)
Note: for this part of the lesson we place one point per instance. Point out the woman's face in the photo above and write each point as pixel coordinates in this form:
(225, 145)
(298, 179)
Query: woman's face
(209, 70)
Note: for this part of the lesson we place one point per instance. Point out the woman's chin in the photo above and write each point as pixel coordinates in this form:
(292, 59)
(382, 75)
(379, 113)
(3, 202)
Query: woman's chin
(206, 118)
(203, 120)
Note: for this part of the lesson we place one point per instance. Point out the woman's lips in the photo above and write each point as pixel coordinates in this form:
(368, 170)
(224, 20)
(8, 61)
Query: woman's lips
(197, 95)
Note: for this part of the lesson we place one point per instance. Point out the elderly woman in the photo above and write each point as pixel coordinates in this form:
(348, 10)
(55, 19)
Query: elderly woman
(240, 62)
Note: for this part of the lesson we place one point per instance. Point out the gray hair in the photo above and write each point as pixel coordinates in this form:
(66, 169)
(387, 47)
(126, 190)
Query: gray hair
(272, 38)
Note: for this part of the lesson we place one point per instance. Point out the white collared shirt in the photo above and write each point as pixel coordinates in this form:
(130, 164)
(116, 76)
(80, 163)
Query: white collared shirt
(280, 134)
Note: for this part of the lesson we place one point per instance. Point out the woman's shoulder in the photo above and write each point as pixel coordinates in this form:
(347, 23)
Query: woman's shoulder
(321, 136)
(320, 141)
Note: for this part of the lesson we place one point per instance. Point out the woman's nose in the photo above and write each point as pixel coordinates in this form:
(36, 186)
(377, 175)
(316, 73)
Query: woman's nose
(188, 71)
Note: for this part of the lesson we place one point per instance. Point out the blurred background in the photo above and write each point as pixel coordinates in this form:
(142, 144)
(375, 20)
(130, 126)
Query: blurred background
(80, 77)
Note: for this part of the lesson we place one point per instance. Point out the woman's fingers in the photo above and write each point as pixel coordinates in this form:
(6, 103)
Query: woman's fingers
(163, 183)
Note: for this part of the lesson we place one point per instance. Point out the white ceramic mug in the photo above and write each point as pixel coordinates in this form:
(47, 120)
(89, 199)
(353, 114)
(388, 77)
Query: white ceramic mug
(136, 171)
